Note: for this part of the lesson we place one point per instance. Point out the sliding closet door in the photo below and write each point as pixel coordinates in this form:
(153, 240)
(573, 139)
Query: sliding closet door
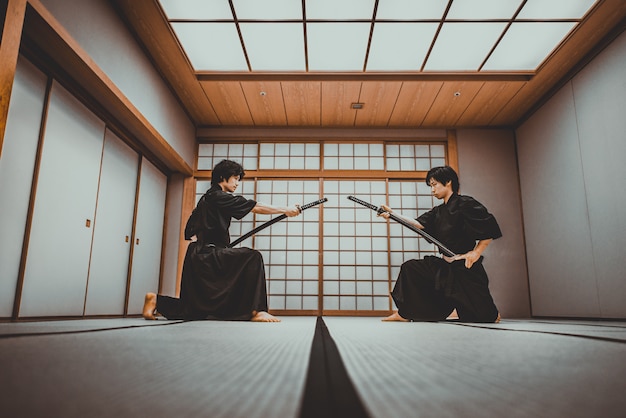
(148, 236)
(16, 173)
(55, 278)
(108, 271)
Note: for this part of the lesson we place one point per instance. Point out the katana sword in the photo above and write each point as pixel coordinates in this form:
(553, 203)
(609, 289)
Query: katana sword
(273, 221)
(413, 228)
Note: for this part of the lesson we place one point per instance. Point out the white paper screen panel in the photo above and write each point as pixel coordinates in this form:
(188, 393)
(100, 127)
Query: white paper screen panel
(335, 156)
(290, 248)
(211, 154)
(412, 157)
(355, 255)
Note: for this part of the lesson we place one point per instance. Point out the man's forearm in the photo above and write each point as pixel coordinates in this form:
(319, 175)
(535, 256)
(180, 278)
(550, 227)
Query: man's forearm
(409, 220)
(265, 209)
(482, 245)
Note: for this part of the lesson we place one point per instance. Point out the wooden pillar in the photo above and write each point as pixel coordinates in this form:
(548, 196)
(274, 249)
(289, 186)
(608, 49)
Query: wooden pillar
(13, 22)
(189, 202)
(453, 155)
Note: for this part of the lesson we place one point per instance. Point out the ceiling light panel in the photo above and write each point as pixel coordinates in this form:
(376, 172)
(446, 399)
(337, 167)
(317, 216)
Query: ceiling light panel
(400, 46)
(268, 9)
(463, 46)
(340, 10)
(197, 9)
(337, 46)
(526, 45)
(555, 9)
(411, 9)
(274, 47)
(211, 46)
(483, 9)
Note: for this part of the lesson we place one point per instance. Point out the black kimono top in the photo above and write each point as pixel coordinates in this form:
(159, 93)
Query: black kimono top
(211, 218)
(459, 223)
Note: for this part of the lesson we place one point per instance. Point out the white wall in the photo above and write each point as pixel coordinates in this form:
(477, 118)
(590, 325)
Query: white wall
(100, 32)
(571, 158)
(488, 172)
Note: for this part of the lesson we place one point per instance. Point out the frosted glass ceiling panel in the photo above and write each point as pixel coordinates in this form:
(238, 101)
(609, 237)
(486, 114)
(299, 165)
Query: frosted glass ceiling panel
(400, 46)
(337, 46)
(526, 45)
(395, 46)
(463, 46)
(274, 47)
(197, 9)
(339, 9)
(268, 9)
(483, 9)
(211, 46)
(555, 9)
(411, 9)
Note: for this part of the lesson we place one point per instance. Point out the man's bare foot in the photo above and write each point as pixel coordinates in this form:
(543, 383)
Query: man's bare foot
(149, 306)
(395, 317)
(263, 316)
(453, 315)
(497, 321)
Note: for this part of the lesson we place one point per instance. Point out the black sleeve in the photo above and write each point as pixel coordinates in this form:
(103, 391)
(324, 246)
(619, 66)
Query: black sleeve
(479, 223)
(427, 218)
(234, 205)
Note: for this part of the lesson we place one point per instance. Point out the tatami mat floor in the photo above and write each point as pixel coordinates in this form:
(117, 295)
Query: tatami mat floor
(511, 369)
(134, 368)
(154, 369)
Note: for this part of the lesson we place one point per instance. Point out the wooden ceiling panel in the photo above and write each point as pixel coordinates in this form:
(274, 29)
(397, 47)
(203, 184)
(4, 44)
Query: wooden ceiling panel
(488, 102)
(302, 102)
(379, 99)
(265, 101)
(229, 102)
(337, 98)
(452, 101)
(414, 101)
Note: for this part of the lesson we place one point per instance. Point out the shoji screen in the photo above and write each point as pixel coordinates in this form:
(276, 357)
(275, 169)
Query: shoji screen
(355, 256)
(16, 173)
(339, 258)
(291, 247)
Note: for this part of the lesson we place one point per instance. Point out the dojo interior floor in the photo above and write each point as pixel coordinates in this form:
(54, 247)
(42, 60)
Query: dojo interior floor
(135, 368)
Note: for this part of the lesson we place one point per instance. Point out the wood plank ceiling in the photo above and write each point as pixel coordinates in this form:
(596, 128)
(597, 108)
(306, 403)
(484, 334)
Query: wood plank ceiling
(443, 100)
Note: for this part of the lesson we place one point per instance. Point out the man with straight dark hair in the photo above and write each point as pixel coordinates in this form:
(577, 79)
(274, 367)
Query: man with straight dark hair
(431, 288)
(219, 282)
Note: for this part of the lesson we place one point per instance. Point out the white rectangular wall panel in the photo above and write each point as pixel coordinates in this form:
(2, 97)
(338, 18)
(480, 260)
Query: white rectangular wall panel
(146, 265)
(558, 240)
(55, 278)
(571, 169)
(108, 270)
(600, 99)
(17, 163)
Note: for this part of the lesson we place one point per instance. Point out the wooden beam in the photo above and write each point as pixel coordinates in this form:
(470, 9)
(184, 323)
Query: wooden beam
(212, 134)
(363, 76)
(9, 51)
(453, 151)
